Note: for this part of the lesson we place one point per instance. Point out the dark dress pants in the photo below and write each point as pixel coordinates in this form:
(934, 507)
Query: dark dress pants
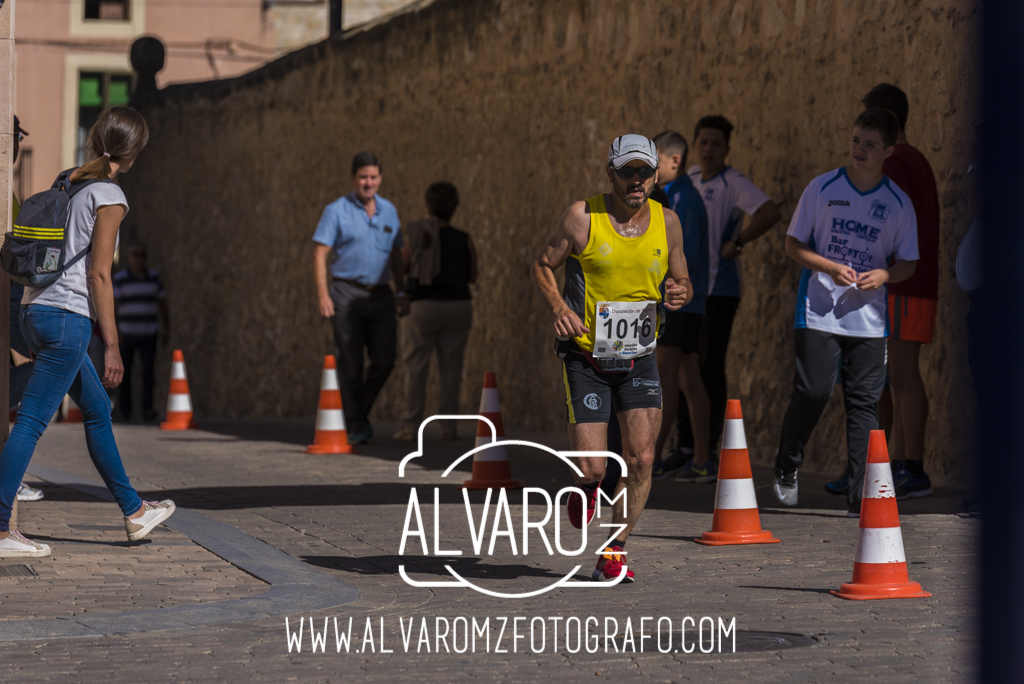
(363, 320)
(146, 346)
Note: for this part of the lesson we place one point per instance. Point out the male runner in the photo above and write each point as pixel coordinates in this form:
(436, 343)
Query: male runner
(621, 253)
(853, 232)
(727, 195)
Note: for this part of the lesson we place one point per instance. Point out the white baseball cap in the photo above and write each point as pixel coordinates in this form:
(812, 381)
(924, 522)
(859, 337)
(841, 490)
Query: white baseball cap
(631, 146)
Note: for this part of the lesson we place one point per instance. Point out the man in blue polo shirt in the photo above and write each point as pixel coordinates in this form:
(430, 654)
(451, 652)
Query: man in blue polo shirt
(358, 240)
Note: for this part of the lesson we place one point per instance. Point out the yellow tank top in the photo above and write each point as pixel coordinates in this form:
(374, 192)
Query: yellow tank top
(613, 268)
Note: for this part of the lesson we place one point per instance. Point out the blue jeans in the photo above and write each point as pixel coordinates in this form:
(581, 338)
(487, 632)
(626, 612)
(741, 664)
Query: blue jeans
(60, 341)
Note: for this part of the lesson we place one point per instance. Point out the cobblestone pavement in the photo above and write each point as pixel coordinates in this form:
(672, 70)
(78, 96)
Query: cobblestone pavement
(344, 516)
(94, 569)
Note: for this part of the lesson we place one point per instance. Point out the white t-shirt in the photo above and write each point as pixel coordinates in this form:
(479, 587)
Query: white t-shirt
(71, 290)
(863, 230)
(727, 196)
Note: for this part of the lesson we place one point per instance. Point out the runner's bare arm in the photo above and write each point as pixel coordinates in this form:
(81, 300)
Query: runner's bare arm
(570, 237)
(678, 290)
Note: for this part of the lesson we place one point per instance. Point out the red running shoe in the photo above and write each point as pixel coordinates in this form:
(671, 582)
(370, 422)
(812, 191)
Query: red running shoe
(574, 508)
(611, 565)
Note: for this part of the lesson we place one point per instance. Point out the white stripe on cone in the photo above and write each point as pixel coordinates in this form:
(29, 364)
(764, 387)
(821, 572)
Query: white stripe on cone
(489, 402)
(178, 371)
(878, 481)
(735, 494)
(330, 420)
(735, 437)
(329, 381)
(880, 545)
(179, 403)
(498, 453)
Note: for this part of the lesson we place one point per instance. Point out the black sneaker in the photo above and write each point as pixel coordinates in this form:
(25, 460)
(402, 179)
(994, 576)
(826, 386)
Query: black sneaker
(910, 486)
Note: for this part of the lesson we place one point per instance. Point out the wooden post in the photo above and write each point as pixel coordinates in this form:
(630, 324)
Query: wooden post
(6, 164)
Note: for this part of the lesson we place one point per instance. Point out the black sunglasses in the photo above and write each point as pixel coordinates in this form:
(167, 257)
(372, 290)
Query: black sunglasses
(627, 172)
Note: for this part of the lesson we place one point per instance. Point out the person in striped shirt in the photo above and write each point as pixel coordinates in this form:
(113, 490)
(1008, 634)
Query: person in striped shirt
(141, 309)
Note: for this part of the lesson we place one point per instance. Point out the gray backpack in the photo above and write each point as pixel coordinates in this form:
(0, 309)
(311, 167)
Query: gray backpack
(35, 253)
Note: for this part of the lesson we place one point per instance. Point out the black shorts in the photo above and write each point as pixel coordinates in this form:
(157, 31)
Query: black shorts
(589, 392)
(682, 330)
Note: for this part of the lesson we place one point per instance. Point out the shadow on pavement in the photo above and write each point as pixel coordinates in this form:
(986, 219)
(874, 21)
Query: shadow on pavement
(533, 467)
(388, 565)
(806, 589)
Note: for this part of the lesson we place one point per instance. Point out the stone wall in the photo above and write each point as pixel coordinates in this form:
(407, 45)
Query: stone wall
(516, 103)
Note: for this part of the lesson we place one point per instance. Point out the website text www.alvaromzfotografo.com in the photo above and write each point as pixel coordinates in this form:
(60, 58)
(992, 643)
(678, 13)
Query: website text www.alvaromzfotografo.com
(512, 634)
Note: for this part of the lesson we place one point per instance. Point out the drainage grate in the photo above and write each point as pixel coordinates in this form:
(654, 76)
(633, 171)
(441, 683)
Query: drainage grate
(746, 642)
(771, 641)
(16, 571)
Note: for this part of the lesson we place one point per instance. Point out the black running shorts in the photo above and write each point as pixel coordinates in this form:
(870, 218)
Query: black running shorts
(589, 392)
(682, 330)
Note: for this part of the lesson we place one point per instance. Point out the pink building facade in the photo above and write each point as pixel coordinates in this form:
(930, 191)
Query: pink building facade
(71, 60)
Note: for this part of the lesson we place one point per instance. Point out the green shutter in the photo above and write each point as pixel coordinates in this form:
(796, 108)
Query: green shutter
(120, 87)
(89, 94)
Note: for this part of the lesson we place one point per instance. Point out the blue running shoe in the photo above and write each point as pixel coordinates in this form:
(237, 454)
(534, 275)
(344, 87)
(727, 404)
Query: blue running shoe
(839, 486)
(674, 462)
(700, 474)
(360, 437)
(910, 486)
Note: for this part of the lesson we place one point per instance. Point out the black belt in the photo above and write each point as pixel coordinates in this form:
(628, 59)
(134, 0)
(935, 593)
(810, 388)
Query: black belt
(361, 286)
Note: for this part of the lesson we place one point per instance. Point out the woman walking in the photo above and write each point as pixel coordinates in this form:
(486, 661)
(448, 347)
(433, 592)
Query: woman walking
(57, 322)
(442, 267)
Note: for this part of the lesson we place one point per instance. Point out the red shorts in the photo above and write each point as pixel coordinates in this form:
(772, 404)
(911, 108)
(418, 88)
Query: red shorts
(912, 319)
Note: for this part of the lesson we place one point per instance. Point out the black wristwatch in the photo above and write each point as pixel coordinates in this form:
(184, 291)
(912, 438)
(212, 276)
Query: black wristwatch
(737, 241)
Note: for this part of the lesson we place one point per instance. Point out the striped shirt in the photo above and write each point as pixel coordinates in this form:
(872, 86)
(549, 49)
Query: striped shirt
(136, 300)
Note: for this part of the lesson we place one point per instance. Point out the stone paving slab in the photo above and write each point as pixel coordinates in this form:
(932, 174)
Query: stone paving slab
(93, 569)
(343, 516)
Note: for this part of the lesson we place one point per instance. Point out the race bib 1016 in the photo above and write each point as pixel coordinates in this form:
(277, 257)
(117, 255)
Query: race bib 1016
(625, 330)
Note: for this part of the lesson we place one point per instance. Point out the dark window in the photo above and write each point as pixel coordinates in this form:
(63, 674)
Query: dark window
(97, 92)
(107, 10)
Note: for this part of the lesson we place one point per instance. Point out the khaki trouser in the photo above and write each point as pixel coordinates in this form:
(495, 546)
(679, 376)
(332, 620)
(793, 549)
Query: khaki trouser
(442, 326)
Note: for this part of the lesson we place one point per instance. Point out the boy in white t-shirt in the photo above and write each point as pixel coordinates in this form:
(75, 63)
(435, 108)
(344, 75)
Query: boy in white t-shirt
(850, 225)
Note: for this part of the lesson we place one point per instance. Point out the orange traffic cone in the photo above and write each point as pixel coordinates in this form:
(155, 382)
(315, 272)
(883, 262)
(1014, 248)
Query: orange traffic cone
(330, 436)
(179, 401)
(70, 410)
(736, 519)
(880, 567)
(490, 466)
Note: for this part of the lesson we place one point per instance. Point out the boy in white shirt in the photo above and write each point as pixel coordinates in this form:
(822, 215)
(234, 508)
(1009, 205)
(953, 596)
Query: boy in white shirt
(850, 224)
(727, 195)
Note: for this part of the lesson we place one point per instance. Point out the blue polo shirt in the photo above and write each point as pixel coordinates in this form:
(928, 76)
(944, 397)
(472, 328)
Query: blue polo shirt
(362, 244)
(684, 199)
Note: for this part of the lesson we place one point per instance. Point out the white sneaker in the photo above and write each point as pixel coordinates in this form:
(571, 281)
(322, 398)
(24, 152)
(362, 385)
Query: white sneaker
(155, 514)
(786, 489)
(16, 546)
(26, 493)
